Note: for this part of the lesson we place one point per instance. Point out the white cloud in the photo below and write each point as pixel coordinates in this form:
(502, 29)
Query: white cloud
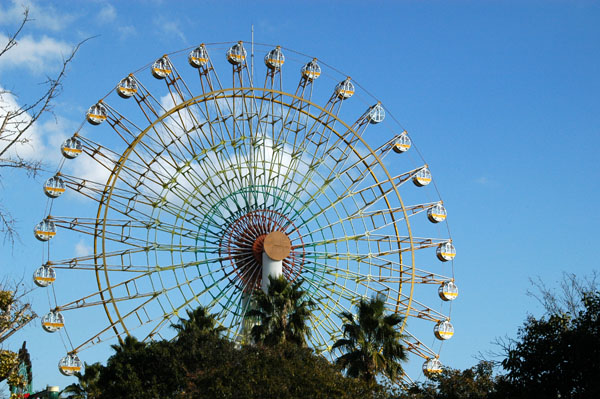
(44, 17)
(126, 31)
(38, 56)
(88, 168)
(42, 140)
(170, 27)
(82, 249)
(107, 13)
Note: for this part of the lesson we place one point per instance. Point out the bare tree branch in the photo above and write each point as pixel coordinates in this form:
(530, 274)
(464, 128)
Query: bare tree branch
(568, 298)
(16, 122)
(12, 39)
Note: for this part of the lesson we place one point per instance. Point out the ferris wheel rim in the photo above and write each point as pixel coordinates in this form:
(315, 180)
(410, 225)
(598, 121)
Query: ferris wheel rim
(213, 96)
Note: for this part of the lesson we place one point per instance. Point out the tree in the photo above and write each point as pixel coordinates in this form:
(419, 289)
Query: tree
(199, 324)
(477, 382)
(557, 355)
(16, 121)
(282, 314)
(15, 312)
(281, 371)
(568, 298)
(138, 369)
(371, 343)
(87, 386)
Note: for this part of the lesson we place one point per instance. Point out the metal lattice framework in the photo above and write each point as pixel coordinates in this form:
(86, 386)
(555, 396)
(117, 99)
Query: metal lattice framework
(196, 181)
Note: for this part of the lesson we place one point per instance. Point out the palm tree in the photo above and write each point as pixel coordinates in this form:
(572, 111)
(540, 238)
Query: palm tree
(371, 343)
(87, 385)
(131, 344)
(282, 314)
(199, 323)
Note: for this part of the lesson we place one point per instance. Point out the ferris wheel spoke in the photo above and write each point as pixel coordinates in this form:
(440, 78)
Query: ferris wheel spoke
(215, 299)
(194, 182)
(338, 151)
(331, 286)
(342, 150)
(130, 203)
(378, 218)
(424, 312)
(414, 345)
(114, 324)
(367, 196)
(130, 133)
(426, 277)
(358, 277)
(392, 241)
(123, 235)
(97, 152)
(167, 315)
(369, 282)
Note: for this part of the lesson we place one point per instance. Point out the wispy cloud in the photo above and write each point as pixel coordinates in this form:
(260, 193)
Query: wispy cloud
(43, 16)
(126, 31)
(482, 180)
(82, 249)
(169, 27)
(37, 55)
(42, 140)
(107, 14)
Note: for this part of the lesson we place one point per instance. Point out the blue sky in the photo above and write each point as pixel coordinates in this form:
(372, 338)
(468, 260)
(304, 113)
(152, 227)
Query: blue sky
(500, 97)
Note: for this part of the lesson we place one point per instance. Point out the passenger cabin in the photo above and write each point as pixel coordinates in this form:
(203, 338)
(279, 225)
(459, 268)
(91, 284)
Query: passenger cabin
(311, 70)
(448, 291)
(445, 251)
(236, 54)
(345, 89)
(96, 114)
(71, 148)
(69, 365)
(198, 57)
(54, 187)
(402, 143)
(443, 330)
(436, 213)
(432, 367)
(274, 59)
(127, 87)
(44, 276)
(376, 114)
(162, 68)
(53, 321)
(45, 230)
(422, 177)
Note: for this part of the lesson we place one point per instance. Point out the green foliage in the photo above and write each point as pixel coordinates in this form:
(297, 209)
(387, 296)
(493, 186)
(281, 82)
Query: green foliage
(371, 343)
(282, 371)
(9, 370)
(201, 363)
(14, 312)
(87, 386)
(556, 356)
(282, 314)
(477, 382)
(144, 370)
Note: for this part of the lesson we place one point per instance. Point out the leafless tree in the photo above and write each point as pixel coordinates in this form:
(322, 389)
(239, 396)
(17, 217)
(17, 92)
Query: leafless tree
(15, 311)
(14, 123)
(568, 297)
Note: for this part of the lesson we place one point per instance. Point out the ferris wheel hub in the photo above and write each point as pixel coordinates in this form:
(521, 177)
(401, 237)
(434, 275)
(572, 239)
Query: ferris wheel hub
(277, 245)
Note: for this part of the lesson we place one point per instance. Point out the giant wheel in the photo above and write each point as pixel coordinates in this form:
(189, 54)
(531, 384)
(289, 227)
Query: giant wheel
(197, 175)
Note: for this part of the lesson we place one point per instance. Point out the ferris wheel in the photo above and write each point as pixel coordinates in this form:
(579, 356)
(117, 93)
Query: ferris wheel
(185, 185)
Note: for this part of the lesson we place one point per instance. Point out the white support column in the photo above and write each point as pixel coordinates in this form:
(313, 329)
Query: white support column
(271, 268)
(276, 248)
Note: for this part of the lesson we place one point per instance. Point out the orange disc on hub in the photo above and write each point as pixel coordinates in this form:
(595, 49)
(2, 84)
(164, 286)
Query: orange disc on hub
(277, 245)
